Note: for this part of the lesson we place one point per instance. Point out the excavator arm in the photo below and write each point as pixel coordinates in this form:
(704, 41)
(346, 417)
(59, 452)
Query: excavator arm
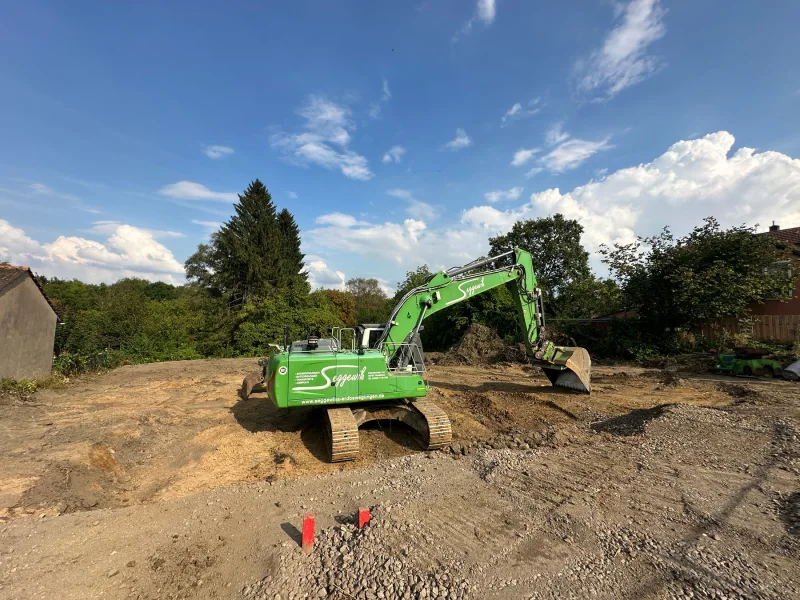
(565, 366)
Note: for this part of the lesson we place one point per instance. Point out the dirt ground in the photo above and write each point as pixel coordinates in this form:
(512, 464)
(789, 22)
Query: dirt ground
(156, 481)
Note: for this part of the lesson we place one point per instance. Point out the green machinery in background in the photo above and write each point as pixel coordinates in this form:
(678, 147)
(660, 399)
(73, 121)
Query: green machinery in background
(376, 371)
(746, 362)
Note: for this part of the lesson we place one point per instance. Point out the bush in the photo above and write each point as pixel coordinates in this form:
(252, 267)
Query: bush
(69, 364)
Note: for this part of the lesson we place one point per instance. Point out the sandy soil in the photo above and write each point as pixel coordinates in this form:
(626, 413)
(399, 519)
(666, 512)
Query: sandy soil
(156, 481)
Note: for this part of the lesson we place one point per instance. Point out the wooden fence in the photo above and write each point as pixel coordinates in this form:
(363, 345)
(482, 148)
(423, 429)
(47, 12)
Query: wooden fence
(776, 328)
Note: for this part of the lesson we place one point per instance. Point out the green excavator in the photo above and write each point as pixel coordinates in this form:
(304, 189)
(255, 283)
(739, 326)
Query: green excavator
(373, 372)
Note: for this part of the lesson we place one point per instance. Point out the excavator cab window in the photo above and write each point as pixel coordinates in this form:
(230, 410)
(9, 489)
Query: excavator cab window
(374, 336)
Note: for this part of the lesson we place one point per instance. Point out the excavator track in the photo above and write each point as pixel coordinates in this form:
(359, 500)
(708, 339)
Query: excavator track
(429, 422)
(341, 434)
(439, 432)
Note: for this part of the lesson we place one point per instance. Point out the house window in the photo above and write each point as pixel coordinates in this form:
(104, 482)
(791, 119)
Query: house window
(781, 269)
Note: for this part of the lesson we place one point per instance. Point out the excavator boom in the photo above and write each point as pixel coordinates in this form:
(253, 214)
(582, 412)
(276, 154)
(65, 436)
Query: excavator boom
(565, 366)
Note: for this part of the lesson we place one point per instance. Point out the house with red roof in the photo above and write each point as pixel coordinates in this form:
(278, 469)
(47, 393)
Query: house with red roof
(790, 240)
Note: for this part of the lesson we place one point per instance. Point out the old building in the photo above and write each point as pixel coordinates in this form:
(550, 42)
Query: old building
(788, 239)
(27, 325)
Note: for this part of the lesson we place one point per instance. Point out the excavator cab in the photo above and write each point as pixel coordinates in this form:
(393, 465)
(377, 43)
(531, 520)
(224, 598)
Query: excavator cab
(369, 334)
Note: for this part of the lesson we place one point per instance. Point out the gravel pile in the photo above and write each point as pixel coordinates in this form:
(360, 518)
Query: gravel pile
(503, 441)
(348, 562)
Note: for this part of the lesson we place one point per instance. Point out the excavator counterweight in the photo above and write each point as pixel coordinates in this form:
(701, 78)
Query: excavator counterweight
(380, 374)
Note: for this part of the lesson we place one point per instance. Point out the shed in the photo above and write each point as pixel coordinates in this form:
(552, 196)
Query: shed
(27, 325)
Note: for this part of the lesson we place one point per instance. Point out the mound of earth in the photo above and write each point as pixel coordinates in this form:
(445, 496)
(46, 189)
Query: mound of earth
(480, 345)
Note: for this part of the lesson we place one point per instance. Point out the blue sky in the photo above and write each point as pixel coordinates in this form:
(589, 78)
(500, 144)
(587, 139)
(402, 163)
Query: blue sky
(397, 133)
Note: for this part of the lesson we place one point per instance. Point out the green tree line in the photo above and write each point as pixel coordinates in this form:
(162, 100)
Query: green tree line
(248, 282)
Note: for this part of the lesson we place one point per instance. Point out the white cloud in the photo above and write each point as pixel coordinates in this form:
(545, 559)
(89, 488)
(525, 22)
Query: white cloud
(402, 194)
(128, 252)
(572, 154)
(391, 241)
(691, 180)
(462, 140)
(325, 141)
(216, 152)
(189, 190)
(556, 135)
(523, 155)
(337, 220)
(623, 60)
(209, 226)
(568, 153)
(485, 11)
(40, 188)
(322, 276)
(394, 154)
(516, 112)
(386, 95)
(421, 210)
(291, 195)
(415, 208)
(533, 171)
(512, 194)
(110, 227)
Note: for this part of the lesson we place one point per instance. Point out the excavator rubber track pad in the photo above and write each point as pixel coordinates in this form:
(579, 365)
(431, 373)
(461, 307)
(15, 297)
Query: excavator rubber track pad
(341, 434)
(439, 432)
(252, 383)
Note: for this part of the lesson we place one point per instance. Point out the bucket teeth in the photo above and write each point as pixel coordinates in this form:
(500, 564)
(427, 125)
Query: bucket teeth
(570, 380)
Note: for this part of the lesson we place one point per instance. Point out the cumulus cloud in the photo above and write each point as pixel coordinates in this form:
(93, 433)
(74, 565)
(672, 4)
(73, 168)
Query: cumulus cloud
(337, 220)
(421, 210)
(512, 194)
(189, 190)
(110, 227)
(128, 252)
(394, 154)
(462, 140)
(325, 141)
(320, 275)
(691, 180)
(215, 152)
(623, 59)
(390, 241)
(517, 112)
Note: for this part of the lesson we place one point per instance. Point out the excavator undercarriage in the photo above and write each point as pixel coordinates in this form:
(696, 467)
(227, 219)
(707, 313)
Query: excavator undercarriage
(429, 423)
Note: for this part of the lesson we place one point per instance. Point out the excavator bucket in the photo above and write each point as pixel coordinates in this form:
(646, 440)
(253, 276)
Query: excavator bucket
(570, 368)
(253, 383)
